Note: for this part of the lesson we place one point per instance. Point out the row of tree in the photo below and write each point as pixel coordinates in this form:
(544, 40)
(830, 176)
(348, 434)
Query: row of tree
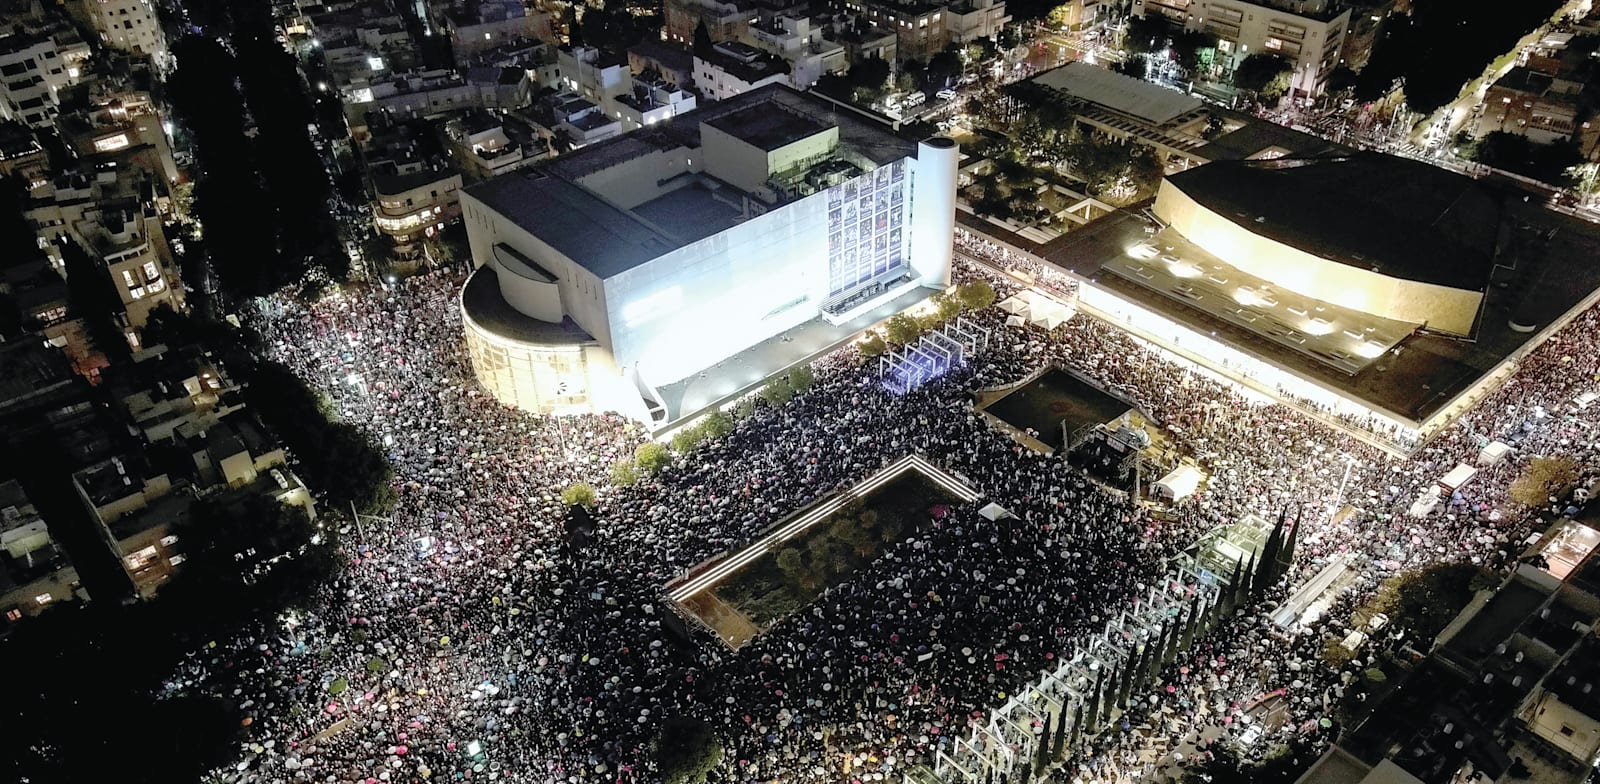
(263, 195)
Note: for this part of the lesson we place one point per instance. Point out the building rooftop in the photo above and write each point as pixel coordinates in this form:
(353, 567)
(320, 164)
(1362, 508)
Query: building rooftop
(762, 127)
(674, 57)
(1395, 216)
(391, 184)
(550, 202)
(1130, 96)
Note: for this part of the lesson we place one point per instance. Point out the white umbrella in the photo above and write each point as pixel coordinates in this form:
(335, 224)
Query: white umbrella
(1014, 305)
(1015, 321)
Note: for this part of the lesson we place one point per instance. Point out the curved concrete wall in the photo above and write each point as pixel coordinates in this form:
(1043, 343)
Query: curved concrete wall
(1438, 307)
(532, 293)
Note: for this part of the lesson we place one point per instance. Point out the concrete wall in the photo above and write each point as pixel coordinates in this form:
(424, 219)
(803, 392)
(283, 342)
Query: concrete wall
(733, 160)
(933, 209)
(1438, 307)
(626, 186)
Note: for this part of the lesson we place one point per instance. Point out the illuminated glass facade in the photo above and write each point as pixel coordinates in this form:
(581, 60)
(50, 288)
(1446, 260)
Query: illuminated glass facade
(868, 235)
(542, 379)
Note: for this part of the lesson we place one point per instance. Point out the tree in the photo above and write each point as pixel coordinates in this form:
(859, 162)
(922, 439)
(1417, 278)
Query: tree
(777, 391)
(579, 494)
(873, 346)
(1145, 35)
(944, 66)
(1424, 601)
(228, 545)
(703, 45)
(336, 456)
(651, 457)
(869, 75)
(574, 27)
(801, 377)
(1265, 74)
(1543, 478)
(717, 425)
(1194, 51)
(686, 751)
(902, 330)
(976, 295)
(687, 439)
(92, 296)
(1516, 153)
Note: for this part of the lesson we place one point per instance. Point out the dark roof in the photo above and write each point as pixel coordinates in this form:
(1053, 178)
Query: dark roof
(482, 302)
(767, 127)
(1256, 135)
(572, 219)
(550, 202)
(1394, 216)
(674, 57)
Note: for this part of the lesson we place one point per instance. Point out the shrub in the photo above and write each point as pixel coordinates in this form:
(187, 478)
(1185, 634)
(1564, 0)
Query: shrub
(651, 457)
(579, 494)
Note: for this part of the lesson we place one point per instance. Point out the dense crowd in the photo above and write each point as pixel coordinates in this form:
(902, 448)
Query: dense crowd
(468, 639)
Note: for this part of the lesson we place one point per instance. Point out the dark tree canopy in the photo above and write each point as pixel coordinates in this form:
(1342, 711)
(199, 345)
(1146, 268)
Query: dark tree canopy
(1263, 73)
(1442, 45)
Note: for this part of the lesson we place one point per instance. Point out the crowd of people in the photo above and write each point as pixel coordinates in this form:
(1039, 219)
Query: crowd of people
(470, 638)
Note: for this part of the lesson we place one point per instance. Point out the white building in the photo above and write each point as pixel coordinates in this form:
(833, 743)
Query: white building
(652, 102)
(1308, 33)
(129, 26)
(735, 68)
(969, 20)
(598, 76)
(609, 273)
(807, 52)
(32, 74)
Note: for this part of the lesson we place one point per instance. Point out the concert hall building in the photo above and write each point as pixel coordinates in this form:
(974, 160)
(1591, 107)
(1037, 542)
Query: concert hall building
(768, 224)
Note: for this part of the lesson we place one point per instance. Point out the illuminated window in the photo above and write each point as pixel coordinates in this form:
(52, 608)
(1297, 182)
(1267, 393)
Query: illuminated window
(151, 272)
(13, 615)
(42, 598)
(176, 559)
(168, 541)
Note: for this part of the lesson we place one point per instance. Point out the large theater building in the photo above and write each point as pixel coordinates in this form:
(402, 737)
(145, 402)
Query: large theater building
(1382, 294)
(653, 273)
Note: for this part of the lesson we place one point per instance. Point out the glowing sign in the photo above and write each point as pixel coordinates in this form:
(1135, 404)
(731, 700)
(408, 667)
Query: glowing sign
(111, 143)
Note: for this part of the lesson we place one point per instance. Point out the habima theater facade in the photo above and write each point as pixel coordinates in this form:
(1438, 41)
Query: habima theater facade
(642, 261)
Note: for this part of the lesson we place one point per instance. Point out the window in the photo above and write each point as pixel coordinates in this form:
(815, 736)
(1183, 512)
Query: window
(176, 559)
(44, 598)
(151, 272)
(13, 615)
(168, 541)
(1565, 730)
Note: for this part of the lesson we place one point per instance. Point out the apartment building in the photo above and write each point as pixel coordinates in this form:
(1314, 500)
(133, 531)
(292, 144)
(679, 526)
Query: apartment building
(808, 53)
(130, 26)
(412, 202)
(920, 28)
(1308, 33)
(734, 68)
(35, 573)
(32, 74)
(110, 212)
